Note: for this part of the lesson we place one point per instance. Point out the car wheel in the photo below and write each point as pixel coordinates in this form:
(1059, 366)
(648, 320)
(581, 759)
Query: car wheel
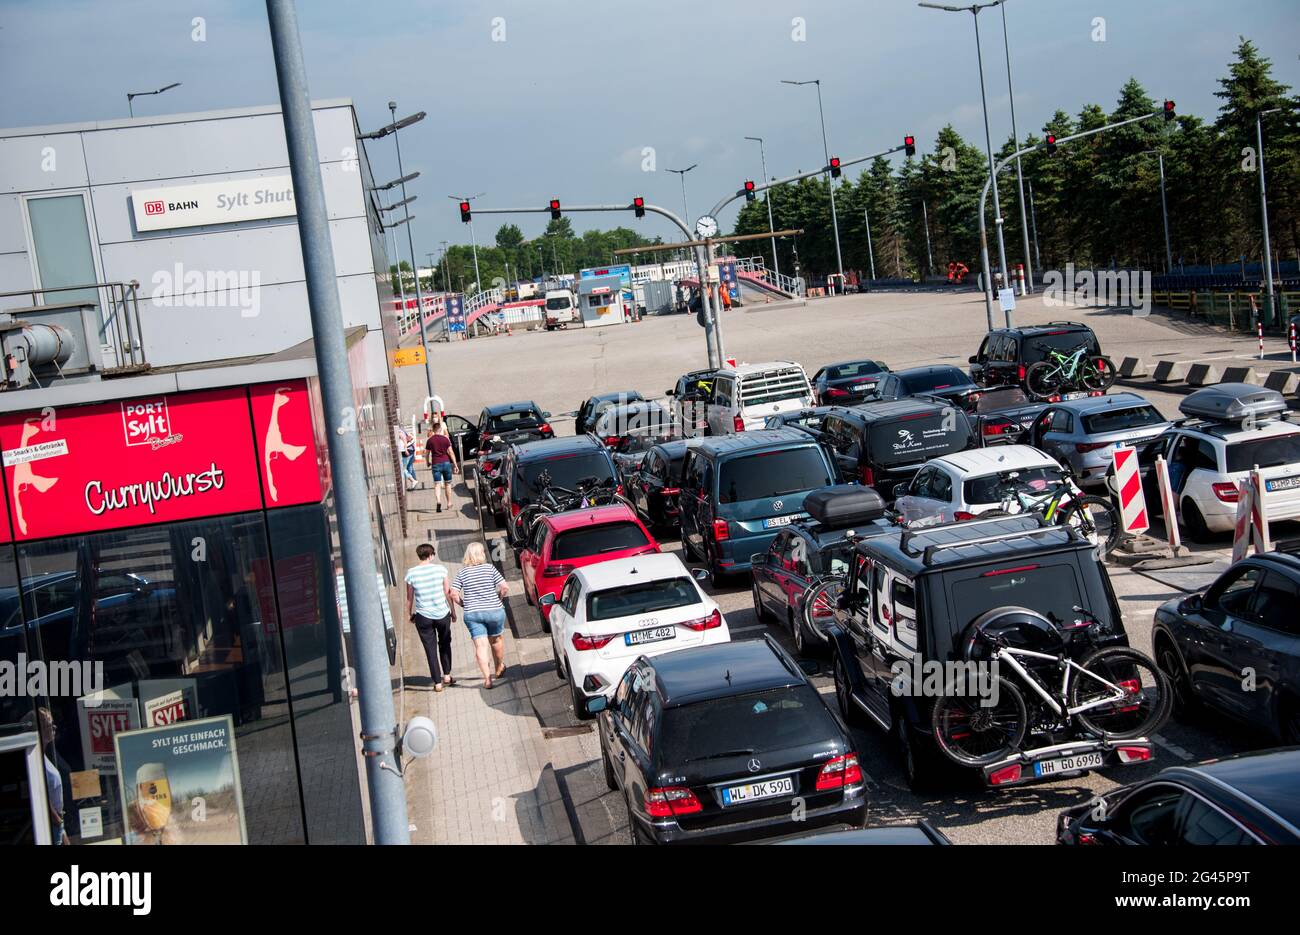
(1184, 702)
(611, 781)
(545, 621)
(1197, 530)
(579, 701)
(796, 632)
(761, 612)
(528, 596)
(848, 707)
(918, 767)
(717, 578)
(559, 663)
(632, 829)
(688, 553)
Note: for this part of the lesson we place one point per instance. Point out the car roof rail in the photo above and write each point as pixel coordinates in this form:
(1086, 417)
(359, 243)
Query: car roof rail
(931, 550)
(1075, 323)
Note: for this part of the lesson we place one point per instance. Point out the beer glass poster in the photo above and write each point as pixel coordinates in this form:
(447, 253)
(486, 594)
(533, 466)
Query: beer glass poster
(180, 783)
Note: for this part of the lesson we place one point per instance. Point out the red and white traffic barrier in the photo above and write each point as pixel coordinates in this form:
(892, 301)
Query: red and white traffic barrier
(1292, 340)
(1020, 277)
(1252, 518)
(1132, 501)
(1259, 326)
(1168, 505)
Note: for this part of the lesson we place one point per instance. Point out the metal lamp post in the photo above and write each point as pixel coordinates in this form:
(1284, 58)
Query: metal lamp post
(1020, 177)
(681, 173)
(132, 95)
(1164, 208)
(771, 225)
(826, 153)
(1263, 210)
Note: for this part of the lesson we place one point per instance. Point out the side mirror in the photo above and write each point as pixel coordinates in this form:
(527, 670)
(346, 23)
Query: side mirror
(900, 490)
(700, 575)
(758, 558)
(546, 415)
(1192, 604)
(973, 359)
(596, 704)
(547, 600)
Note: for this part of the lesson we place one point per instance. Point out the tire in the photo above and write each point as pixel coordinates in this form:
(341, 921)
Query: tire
(1197, 529)
(717, 579)
(1099, 374)
(920, 766)
(849, 709)
(1096, 518)
(688, 554)
(973, 734)
(632, 831)
(1182, 702)
(543, 619)
(1131, 670)
(762, 613)
(611, 781)
(529, 597)
(579, 701)
(797, 633)
(1039, 380)
(559, 666)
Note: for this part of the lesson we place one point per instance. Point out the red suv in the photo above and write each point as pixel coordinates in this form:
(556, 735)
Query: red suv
(565, 541)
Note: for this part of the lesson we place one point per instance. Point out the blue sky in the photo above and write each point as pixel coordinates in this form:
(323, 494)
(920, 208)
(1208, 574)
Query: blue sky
(565, 106)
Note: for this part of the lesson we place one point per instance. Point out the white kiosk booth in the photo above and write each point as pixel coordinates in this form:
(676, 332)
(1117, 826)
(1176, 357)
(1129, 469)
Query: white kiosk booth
(600, 300)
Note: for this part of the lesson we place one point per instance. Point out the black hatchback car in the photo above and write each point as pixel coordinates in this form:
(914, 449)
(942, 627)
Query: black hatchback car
(653, 483)
(715, 745)
(1247, 799)
(942, 380)
(498, 425)
(1006, 354)
(847, 382)
(1247, 621)
(568, 462)
(585, 417)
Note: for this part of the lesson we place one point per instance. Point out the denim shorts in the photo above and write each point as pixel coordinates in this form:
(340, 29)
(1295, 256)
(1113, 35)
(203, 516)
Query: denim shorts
(486, 622)
(441, 471)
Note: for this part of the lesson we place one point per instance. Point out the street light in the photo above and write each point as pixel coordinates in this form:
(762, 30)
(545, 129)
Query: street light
(472, 239)
(771, 225)
(686, 211)
(1263, 209)
(1164, 208)
(1020, 177)
(974, 10)
(826, 152)
(132, 95)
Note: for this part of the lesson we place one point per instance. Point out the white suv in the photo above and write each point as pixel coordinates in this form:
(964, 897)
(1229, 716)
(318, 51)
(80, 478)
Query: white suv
(743, 397)
(963, 485)
(611, 613)
(1234, 428)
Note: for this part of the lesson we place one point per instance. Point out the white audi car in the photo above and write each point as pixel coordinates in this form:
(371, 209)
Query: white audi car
(609, 614)
(963, 485)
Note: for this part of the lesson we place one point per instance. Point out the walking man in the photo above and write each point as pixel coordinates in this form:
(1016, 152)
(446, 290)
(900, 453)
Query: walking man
(442, 462)
(428, 603)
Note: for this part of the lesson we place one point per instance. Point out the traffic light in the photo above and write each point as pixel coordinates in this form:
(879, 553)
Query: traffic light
(909, 145)
(1169, 110)
(1049, 142)
(555, 209)
(749, 189)
(835, 167)
(638, 205)
(464, 212)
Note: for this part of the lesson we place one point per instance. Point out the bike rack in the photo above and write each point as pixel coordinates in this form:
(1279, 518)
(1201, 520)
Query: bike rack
(1028, 758)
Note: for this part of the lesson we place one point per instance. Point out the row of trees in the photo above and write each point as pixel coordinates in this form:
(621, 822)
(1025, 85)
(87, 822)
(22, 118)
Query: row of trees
(1097, 201)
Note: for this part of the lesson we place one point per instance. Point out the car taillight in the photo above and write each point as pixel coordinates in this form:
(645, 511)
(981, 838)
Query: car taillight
(962, 515)
(671, 491)
(515, 508)
(1005, 775)
(1020, 373)
(581, 642)
(611, 440)
(1133, 754)
(721, 530)
(1228, 493)
(545, 429)
(556, 571)
(997, 428)
(839, 772)
(1085, 447)
(711, 622)
(867, 475)
(834, 392)
(738, 424)
(670, 801)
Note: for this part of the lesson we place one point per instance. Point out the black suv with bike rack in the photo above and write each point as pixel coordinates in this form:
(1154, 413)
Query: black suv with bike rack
(907, 617)
(1006, 354)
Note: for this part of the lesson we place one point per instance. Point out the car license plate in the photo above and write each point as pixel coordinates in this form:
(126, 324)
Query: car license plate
(1068, 764)
(1282, 483)
(1075, 395)
(652, 635)
(767, 789)
(776, 521)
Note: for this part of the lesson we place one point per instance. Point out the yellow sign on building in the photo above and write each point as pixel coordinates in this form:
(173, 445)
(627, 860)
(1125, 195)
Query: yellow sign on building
(408, 357)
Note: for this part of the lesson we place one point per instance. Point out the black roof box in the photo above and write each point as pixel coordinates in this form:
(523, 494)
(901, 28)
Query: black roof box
(844, 506)
(1234, 402)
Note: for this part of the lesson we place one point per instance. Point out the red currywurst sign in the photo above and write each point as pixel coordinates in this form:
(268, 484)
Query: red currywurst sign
(129, 463)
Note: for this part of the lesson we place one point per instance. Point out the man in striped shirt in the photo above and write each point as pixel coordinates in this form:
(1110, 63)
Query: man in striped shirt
(428, 602)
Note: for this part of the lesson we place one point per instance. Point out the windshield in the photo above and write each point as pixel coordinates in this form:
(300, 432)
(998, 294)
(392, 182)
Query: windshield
(985, 490)
(558, 303)
(634, 420)
(775, 719)
(647, 598)
(772, 474)
(594, 540)
(1003, 398)
(511, 421)
(1037, 347)
(1117, 420)
(917, 438)
(860, 368)
(1266, 452)
(565, 471)
(934, 380)
(1049, 589)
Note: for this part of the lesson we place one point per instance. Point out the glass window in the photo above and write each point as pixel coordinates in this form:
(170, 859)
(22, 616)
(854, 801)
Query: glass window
(772, 474)
(179, 623)
(1232, 595)
(1153, 816)
(1052, 590)
(595, 540)
(1204, 824)
(1062, 421)
(774, 719)
(860, 368)
(1039, 346)
(1264, 452)
(1277, 604)
(939, 379)
(941, 485)
(992, 488)
(61, 237)
(647, 598)
(1119, 420)
(565, 471)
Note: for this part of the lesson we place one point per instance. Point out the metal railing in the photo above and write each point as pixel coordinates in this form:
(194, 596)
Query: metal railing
(119, 316)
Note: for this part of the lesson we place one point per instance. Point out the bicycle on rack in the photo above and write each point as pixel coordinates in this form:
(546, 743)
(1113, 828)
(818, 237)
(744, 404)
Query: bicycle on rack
(552, 498)
(1065, 371)
(1063, 503)
(1113, 693)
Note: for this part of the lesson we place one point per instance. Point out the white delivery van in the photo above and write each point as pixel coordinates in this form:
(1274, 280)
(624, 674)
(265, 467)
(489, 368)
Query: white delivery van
(744, 396)
(561, 308)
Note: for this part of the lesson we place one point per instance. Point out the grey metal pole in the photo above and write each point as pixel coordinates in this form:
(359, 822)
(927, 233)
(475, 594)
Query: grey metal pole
(1020, 178)
(478, 277)
(929, 256)
(446, 266)
(871, 253)
(771, 224)
(1263, 211)
(378, 723)
(1164, 210)
(835, 221)
(1033, 219)
(686, 211)
(415, 266)
(988, 142)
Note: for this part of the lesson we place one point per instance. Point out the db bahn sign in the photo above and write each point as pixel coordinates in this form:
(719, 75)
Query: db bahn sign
(213, 203)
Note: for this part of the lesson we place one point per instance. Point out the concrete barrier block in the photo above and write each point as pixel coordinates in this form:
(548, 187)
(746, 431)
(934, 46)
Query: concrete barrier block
(1203, 375)
(1169, 371)
(1132, 367)
(1284, 381)
(1240, 375)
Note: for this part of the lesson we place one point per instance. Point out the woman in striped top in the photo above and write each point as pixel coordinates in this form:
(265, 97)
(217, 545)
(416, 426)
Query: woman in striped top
(479, 588)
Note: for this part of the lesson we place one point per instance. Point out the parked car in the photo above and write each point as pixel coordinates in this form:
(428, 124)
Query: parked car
(1247, 621)
(738, 490)
(961, 486)
(624, 426)
(504, 423)
(612, 613)
(1000, 416)
(490, 484)
(584, 419)
(1245, 799)
(574, 539)
(744, 396)
(913, 597)
(654, 485)
(1232, 428)
(922, 832)
(1006, 354)
(1082, 433)
(810, 420)
(847, 382)
(947, 382)
(566, 461)
(714, 745)
(690, 398)
(883, 444)
(811, 550)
